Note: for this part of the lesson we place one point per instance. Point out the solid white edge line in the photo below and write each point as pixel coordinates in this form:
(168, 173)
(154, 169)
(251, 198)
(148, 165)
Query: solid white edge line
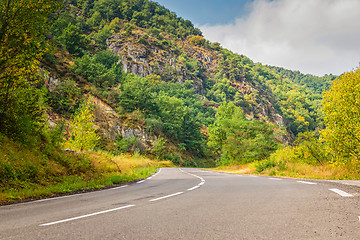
(54, 198)
(307, 182)
(275, 178)
(87, 215)
(141, 181)
(167, 196)
(340, 192)
(118, 187)
(157, 172)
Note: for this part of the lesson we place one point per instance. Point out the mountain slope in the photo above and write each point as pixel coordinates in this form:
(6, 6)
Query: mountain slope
(182, 78)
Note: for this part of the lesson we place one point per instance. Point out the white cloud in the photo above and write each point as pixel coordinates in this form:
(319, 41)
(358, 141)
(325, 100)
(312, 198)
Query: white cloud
(313, 36)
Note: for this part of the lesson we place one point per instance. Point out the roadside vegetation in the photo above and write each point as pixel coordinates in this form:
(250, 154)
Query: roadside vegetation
(29, 172)
(234, 114)
(330, 153)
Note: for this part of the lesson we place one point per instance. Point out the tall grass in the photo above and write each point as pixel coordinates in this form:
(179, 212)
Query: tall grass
(295, 162)
(33, 173)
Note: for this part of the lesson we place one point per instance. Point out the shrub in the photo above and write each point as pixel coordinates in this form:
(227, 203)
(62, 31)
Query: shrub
(160, 148)
(125, 145)
(65, 98)
(265, 164)
(197, 40)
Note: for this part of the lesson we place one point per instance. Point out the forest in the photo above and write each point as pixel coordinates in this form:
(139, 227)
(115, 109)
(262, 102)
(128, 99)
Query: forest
(194, 102)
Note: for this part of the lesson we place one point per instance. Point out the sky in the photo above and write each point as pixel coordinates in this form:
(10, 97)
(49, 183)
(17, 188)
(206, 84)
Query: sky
(313, 36)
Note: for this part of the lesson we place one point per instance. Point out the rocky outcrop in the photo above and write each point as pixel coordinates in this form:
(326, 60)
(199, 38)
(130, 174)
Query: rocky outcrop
(51, 81)
(144, 58)
(110, 126)
(147, 58)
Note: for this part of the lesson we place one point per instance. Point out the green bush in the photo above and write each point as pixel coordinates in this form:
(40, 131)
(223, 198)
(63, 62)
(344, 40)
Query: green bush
(65, 98)
(160, 148)
(7, 172)
(125, 145)
(265, 164)
(174, 158)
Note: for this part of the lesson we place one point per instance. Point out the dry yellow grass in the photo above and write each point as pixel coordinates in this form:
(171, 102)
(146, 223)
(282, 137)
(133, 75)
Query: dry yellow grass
(105, 162)
(238, 169)
(295, 170)
(105, 169)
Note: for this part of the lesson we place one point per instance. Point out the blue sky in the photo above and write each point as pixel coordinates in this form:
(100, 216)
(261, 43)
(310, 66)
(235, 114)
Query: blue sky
(313, 36)
(211, 12)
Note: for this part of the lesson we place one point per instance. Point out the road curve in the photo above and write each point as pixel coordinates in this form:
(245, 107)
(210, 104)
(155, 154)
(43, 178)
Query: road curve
(191, 203)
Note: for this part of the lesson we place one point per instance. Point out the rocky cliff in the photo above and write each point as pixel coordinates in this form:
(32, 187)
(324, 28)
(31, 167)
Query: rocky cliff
(178, 61)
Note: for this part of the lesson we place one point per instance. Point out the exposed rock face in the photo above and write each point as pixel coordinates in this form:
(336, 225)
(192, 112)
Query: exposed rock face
(51, 81)
(111, 126)
(145, 58)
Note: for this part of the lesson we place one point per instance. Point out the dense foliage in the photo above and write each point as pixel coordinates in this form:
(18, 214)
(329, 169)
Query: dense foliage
(231, 110)
(342, 109)
(169, 108)
(316, 84)
(238, 139)
(22, 44)
(178, 110)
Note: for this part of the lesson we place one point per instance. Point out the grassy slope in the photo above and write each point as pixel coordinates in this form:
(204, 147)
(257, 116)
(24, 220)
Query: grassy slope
(294, 170)
(27, 172)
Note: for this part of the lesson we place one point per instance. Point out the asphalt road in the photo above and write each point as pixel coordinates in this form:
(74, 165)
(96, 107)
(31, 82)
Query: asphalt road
(193, 204)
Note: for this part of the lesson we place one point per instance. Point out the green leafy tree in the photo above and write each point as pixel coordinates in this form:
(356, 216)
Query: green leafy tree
(65, 98)
(24, 25)
(197, 40)
(308, 148)
(72, 39)
(136, 94)
(100, 69)
(160, 148)
(239, 140)
(342, 109)
(83, 135)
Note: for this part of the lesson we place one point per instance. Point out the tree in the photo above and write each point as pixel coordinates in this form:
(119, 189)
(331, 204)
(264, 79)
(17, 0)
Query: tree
(136, 94)
(342, 117)
(240, 140)
(82, 132)
(72, 39)
(197, 40)
(101, 69)
(160, 148)
(24, 25)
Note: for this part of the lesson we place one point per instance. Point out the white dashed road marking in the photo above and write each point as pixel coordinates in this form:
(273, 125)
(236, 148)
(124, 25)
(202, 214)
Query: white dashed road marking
(340, 192)
(167, 196)
(118, 187)
(306, 182)
(87, 215)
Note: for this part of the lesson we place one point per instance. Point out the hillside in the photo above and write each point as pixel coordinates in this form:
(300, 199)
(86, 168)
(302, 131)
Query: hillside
(153, 43)
(132, 78)
(183, 79)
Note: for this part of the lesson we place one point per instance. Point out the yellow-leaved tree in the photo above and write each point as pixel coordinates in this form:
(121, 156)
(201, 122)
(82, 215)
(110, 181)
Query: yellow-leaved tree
(341, 106)
(83, 135)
